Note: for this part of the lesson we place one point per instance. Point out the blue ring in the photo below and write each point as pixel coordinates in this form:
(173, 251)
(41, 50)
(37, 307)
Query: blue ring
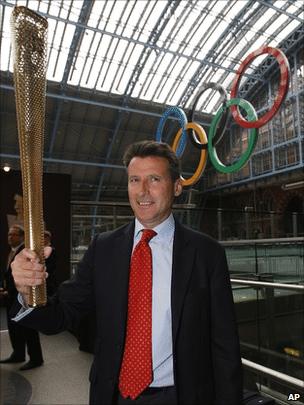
(178, 113)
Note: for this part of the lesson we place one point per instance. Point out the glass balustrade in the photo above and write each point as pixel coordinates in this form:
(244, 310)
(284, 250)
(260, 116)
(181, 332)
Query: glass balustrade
(270, 320)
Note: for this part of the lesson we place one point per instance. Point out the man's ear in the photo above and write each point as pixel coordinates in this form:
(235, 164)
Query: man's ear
(178, 187)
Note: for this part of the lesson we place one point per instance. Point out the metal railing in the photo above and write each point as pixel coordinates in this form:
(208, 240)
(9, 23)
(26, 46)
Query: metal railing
(277, 375)
(268, 284)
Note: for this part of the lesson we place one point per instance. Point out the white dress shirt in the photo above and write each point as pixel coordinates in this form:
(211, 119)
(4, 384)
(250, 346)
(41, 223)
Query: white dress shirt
(162, 250)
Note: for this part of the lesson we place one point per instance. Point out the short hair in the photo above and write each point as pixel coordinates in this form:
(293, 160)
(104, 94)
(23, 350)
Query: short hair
(48, 234)
(19, 227)
(153, 148)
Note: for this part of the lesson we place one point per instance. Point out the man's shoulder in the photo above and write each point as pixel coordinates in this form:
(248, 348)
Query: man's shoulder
(20, 247)
(198, 238)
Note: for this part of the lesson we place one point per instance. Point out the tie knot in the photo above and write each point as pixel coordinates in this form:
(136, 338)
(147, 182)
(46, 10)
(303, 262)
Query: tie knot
(147, 235)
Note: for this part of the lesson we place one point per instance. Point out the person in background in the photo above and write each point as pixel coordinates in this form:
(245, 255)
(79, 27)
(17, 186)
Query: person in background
(50, 263)
(165, 324)
(20, 336)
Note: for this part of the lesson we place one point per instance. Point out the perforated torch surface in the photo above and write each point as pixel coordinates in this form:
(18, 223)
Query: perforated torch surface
(29, 37)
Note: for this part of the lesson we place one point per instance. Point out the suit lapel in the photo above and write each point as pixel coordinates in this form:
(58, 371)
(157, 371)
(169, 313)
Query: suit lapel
(10, 258)
(120, 275)
(182, 266)
(12, 255)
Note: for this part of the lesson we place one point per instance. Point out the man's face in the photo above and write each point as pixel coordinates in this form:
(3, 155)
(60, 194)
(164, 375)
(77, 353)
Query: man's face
(14, 238)
(151, 189)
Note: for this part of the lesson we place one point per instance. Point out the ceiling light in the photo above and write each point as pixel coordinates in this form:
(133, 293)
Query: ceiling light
(6, 168)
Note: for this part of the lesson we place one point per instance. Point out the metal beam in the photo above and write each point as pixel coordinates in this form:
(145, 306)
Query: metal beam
(292, 16)
(132, 40)
(11, 115)
(69, 162)
(286, 46)
(249, 181)
(77, 38)
(196, 78)
(55, 126)
(158, 29)
(228, 44)
(74, 162)
(92, 102)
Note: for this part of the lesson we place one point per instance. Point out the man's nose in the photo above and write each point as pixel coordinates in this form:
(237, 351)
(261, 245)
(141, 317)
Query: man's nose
(143, 186)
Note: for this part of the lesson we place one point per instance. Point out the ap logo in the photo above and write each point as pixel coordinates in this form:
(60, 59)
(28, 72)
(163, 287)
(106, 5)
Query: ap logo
(293, 397)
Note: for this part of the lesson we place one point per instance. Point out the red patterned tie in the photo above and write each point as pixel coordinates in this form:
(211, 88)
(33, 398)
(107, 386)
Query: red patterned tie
(136, 369)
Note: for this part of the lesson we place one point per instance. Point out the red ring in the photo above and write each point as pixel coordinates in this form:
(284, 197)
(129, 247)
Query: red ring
(283, 88)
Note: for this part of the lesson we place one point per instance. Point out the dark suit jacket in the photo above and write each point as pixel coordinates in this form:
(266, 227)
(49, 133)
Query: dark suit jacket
(207, 367)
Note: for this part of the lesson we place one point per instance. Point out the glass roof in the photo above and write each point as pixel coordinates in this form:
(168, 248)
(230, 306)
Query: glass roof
(154, 50)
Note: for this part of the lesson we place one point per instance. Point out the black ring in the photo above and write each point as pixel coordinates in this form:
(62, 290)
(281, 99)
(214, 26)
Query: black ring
(223, 121)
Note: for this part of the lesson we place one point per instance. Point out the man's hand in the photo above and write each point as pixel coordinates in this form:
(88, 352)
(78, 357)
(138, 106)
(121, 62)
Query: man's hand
(27, 271)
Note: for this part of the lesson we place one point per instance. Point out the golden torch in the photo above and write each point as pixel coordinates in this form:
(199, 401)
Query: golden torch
(29, 40)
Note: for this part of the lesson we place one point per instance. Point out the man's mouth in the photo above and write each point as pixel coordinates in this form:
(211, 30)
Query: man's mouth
(144, 203)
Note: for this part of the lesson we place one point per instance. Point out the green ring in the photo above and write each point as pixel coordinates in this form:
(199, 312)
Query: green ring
(253, 137)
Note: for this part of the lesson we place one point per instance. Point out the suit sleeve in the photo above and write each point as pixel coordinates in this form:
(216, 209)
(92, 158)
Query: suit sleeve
(74, 299)
(224, 337)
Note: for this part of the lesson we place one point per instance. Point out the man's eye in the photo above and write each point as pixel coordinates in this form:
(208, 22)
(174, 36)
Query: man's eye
(154, 178)
(133, 180)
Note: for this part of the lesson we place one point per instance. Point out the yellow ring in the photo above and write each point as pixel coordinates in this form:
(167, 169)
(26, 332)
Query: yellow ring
(203, 159)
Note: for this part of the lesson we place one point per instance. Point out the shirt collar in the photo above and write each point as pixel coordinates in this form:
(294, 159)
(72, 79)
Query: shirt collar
(164, 230)
(14, 249)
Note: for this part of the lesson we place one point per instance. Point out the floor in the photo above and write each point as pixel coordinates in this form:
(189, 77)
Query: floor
(63, 362)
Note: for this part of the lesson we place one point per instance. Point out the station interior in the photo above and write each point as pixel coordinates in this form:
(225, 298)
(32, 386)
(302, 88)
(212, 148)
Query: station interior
(123, 71)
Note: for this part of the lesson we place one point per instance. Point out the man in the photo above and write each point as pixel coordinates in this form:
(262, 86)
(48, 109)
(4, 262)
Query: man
(20, 336)
(190, 354)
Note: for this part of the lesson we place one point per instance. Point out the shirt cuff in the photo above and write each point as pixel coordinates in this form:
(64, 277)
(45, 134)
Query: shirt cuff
(24, 310)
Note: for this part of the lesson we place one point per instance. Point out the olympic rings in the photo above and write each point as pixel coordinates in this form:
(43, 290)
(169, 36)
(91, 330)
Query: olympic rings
(219, 122)
(283, 88)
(223, 122)
(253, 137)
(179, 113)
(203, 158)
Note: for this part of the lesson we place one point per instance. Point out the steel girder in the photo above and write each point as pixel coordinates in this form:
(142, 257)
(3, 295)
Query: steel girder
(79, 31)
(294, 38)
(196, 78)
(245, 49)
